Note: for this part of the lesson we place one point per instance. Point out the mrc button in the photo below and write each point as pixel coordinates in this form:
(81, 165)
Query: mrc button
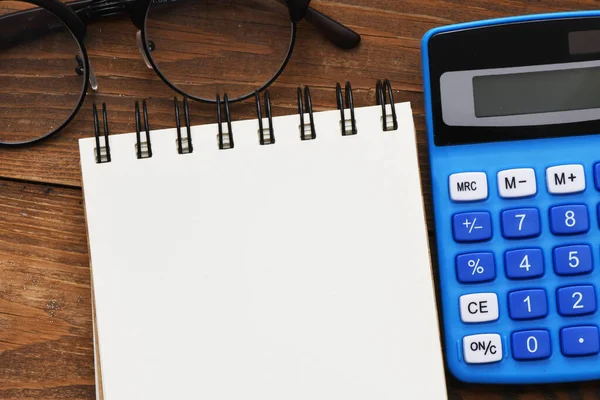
(468, 186)
(563, 179)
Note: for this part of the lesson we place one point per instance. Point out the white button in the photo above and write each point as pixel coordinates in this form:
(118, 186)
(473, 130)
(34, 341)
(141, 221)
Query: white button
(468, 186)
(565, 179)
(479, 307)
(481, 349)
(518, 182)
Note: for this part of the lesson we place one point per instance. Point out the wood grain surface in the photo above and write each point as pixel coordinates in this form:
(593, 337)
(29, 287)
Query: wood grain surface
(45, 311)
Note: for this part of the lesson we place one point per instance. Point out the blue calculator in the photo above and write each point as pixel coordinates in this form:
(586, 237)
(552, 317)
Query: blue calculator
(513, 121)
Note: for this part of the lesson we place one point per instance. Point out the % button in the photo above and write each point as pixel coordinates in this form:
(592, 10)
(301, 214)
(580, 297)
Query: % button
(475, 267)
(482, 349)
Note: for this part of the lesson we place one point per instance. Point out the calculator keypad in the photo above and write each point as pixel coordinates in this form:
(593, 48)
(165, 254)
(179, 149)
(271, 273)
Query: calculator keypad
(523, 226)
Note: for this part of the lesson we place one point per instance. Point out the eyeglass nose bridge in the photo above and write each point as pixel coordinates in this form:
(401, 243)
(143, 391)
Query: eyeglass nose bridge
(141, 48)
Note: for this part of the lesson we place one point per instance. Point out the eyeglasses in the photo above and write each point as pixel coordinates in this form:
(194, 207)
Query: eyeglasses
(200, 48)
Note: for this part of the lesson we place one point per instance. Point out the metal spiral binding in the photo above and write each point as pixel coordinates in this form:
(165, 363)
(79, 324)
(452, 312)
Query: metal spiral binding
(270, 139)
(184, 146)
(351, 129)
(102, 152)
(381, 89)
(224, 143)
(143, 149)
(384, 96)
(303, 127)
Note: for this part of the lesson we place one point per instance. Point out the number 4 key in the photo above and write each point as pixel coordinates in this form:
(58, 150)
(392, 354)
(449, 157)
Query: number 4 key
(524, 263)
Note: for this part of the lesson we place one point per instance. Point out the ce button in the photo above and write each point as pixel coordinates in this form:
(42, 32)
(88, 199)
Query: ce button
(479, 307)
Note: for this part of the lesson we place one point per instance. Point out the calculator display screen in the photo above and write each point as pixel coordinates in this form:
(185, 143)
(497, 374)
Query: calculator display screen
(514, 81)
(531, 95)
(536, 92)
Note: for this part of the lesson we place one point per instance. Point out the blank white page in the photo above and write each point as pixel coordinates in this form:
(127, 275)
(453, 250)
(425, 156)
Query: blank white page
(293, 271)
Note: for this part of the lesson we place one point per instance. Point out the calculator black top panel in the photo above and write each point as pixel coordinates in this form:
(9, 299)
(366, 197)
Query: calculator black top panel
(530, 43)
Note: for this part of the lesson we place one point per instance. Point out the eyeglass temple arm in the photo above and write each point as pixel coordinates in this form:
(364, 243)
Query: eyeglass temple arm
(340, 35)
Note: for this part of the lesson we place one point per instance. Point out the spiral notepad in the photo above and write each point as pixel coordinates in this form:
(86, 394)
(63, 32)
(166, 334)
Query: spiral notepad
(284, 258)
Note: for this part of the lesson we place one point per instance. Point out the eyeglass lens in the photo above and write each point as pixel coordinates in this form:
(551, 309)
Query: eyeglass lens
(211, 47)
(41, 73)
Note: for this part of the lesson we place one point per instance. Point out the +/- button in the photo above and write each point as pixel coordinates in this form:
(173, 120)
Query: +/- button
(472, 226)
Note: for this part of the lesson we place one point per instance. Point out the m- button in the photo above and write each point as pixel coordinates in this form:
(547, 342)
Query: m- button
(468, 186)
(519, 182)
(563, 179)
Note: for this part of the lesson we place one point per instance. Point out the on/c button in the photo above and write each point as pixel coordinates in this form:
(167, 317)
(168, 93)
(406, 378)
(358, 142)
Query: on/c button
(468, 186)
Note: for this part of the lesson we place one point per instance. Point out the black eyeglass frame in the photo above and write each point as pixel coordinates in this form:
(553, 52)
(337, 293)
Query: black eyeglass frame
(76, 15)
(152, 64)
(77, 28)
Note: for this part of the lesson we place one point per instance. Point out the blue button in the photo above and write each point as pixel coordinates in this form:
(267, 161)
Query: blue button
(569, 220)
(527, 304)
(524, 263)
(520, 223)
(597, 175)
(531, 345)
(576, 300)
(579, 341)
(472, 226)
(573, 260)
(475, 267)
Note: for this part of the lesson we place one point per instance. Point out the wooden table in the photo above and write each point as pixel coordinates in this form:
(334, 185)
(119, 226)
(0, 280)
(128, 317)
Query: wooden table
(45, 312)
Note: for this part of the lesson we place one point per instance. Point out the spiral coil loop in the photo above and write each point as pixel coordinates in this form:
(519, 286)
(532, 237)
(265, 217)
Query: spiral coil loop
(224, 142)
(269, 138)
(380, 92)
(184, 145)
(312, 134)
(102, 150)
(348, 127)
(143, 149)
